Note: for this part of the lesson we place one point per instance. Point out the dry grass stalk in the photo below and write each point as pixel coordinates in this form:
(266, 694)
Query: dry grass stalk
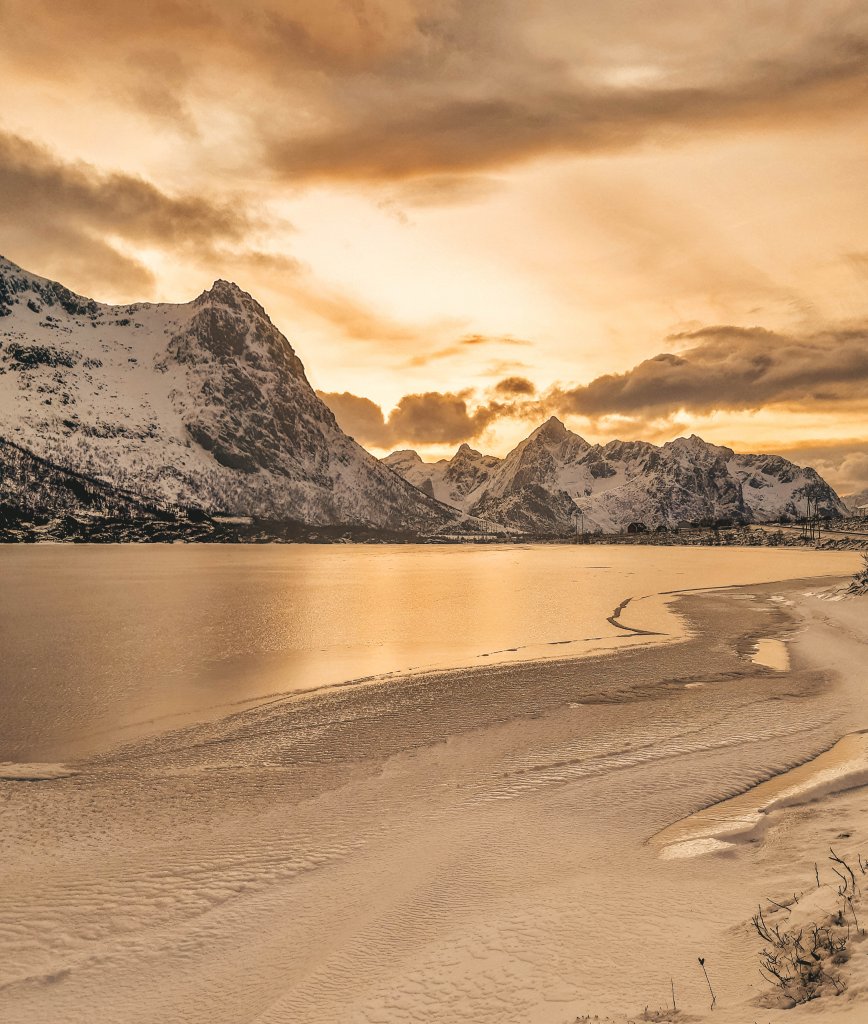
(802, 961)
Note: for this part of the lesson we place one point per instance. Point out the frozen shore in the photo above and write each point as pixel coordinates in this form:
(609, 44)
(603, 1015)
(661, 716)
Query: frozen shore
(463, 846)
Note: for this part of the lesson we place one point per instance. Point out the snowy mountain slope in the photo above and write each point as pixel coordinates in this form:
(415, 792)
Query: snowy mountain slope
(203, 403)
(857, 501)
(33, 489)
(554, 472)
(40, 501)
(458, 481)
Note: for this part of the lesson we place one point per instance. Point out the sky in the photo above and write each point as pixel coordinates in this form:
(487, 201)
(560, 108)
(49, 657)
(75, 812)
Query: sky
(648, 219)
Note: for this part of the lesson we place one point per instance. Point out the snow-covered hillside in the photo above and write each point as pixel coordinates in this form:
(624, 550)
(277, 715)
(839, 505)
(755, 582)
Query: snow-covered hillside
(545, 479)
(857, 502)
(203, 403)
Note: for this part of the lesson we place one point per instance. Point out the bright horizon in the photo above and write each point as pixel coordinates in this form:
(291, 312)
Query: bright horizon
(468, 217)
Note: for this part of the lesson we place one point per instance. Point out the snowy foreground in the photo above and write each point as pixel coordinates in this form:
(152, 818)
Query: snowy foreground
(485, 845)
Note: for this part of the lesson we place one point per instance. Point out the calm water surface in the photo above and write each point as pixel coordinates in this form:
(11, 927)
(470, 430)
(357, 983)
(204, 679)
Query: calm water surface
(99, 645)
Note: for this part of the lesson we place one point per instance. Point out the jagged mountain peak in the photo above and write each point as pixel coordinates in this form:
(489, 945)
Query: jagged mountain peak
(537, 486)
(696, 446)
(404, 453)
(222, 285)
(466, 452)
(555, 432)
(693, 441)
(200, 403)
(227, 292)
(552, 430)
(451, 481)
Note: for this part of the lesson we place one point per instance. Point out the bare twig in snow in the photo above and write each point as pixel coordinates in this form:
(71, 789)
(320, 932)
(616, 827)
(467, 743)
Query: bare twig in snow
(708, 980)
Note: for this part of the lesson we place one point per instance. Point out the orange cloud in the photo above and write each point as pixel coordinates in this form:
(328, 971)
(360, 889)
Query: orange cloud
(431, 418)
(59, 215)
(732, 368)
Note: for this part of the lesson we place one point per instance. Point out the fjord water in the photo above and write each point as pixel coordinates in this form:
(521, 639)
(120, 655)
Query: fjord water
(101, 645)
(467, 846)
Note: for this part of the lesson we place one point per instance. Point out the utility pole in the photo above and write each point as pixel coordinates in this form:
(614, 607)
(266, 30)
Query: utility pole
(578, 515)
(811, 527)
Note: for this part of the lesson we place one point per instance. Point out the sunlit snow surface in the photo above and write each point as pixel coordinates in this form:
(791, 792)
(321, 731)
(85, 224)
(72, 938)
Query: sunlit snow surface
(446, 847)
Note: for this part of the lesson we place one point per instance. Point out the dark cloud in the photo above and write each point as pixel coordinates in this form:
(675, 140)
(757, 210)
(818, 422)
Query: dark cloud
(456, 130)
(360, 418)
(851, 474)
(437, 90)
(848, 475)
(433, 417)
(717, 369)
(515, 386)
(732, 368)
(61, 216)
(429, 418)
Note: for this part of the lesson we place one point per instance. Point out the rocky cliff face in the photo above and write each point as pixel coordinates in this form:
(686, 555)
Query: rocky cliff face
(541, 484)
(202, 403)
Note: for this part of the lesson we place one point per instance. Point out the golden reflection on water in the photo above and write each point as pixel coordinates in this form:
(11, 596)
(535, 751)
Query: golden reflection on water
(102, 644)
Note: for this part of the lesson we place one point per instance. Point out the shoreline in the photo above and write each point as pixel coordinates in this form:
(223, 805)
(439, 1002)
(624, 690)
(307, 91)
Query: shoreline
(488, 676)
(745, 818)
(284, 620)
(613, 646)
(794, 818)
(455, 836)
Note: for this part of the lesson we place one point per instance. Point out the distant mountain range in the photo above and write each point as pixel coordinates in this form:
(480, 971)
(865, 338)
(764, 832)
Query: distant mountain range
(200, 404)
(171, 413)
(541, 485)
(856, 502)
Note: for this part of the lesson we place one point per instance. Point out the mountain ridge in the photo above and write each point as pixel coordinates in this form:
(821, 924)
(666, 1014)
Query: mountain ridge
(202, 403)
(206, 405)
(555, 473)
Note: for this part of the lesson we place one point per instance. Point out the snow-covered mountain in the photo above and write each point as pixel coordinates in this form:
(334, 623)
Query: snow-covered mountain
(545, 479)
(454, 481)
(857, 502)
(203, 403)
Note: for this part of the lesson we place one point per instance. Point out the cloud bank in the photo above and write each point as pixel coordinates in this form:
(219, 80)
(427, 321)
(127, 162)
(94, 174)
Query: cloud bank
(400, 89)
(51, 205)
(423, 419)
(731, 368)
(715, 369)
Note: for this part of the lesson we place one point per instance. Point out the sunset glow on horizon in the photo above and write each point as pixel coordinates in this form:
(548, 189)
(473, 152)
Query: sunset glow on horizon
(648, 220)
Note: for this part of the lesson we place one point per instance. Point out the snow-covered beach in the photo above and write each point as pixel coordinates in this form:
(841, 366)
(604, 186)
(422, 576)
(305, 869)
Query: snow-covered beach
(463, 844)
